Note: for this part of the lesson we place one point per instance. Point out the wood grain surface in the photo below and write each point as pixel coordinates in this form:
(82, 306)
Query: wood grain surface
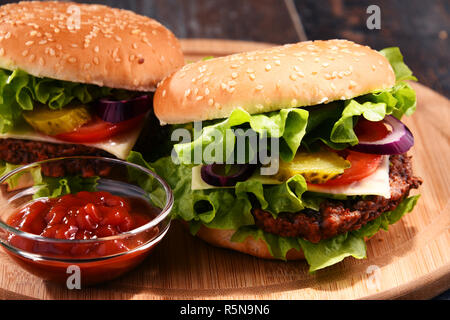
(412, 260)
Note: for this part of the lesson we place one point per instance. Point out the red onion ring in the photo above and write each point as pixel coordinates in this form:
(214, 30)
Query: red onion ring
(115, 111)
(212, 178)
(398, 141)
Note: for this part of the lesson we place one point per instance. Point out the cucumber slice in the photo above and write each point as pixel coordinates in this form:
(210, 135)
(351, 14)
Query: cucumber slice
(316, 168)
(54, 122)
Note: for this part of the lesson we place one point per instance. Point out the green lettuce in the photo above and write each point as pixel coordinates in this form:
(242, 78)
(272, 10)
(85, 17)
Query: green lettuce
(50, 187)
(328, 252)
(287, 125)
(19, 91)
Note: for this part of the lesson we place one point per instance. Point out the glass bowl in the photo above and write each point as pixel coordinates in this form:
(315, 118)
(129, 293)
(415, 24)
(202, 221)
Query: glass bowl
(84, 261)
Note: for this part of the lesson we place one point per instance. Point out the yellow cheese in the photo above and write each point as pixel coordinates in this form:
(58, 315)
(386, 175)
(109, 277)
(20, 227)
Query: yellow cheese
(119, 146)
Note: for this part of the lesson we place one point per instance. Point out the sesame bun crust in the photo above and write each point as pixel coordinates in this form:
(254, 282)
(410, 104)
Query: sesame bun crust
(112, 47)
(293, 75)
(257, 248)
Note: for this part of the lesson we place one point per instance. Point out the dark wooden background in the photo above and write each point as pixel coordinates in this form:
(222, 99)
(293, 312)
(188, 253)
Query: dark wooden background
(420, 28)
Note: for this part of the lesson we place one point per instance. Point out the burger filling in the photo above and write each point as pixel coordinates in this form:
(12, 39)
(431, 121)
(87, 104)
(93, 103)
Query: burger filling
(43, 118)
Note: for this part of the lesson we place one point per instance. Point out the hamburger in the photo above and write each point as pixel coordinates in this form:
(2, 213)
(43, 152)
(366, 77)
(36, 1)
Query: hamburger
(77, 80)
(326, 116)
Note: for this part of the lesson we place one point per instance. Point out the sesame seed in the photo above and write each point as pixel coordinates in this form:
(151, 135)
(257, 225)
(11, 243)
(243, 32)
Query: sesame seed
(199, 98)
(96, 49)
(231, 90)
(374, 67)
(187, 93)
(314, 73)
(207, 91)
(33, 33)
(293, 77)
(72, 59)
(2, 52)
(268, 67)
(24, 53)
(234, 75)
(294, 103)
(164, 93)
(210, 102)
(252, 76)
(8, 35)
(41, 61)
(32, 58)
(325, 64)
(352, 84)
(259, 87)
(29, 43)
(250, 70)
(277, 62)
(234, 66)
(231, 83)
(96, 60)
(135, 45)
(333, 86)
(223, 85)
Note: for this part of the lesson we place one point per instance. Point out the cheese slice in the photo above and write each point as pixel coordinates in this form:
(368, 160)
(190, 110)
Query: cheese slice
(375, 184)
(119, 146)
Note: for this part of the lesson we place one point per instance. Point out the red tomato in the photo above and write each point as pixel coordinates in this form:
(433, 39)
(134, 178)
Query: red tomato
(362, 166)
(99, 130)
(369, 131)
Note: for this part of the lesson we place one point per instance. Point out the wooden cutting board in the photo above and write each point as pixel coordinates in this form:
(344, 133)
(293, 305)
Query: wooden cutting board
(412, 260)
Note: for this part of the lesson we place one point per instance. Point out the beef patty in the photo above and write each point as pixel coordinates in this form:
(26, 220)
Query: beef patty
(17, 151)
(336, 216)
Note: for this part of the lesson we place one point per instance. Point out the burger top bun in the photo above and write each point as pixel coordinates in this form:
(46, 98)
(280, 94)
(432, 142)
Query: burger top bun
(83, 43)
(293, 75)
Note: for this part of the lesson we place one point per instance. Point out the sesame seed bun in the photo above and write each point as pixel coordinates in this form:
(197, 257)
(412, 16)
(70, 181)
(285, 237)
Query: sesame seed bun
(293, 75)
(109, 47)
(257, 248)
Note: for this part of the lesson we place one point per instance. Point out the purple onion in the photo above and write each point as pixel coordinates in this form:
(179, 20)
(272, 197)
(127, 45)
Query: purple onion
(212, 178)
(398, 141)
(115, 111)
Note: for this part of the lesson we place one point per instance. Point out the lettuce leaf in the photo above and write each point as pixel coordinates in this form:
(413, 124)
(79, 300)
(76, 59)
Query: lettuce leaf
(395, 58)
(55, 187)
(328, 252)
(287, 125)
(19, 91)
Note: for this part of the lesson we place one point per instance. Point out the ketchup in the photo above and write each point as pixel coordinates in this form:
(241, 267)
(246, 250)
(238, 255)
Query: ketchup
(83, 216)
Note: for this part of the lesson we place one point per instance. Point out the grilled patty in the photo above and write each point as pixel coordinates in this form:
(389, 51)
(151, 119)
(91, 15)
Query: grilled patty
(17, 151)
(336, 216)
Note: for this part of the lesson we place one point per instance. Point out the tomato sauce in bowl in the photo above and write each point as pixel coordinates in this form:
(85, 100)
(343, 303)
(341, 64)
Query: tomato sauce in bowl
(100, 234)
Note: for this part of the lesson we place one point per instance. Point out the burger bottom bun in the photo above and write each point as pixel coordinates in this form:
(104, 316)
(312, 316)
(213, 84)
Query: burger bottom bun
(257, 248)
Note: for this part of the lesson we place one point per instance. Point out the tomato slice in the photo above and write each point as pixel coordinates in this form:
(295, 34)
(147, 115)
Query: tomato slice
(99, 130)
(369, 131)
(362, 166)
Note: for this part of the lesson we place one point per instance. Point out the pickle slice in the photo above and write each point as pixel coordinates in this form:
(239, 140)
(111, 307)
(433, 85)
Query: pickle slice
(316, 168)
(54, 122)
